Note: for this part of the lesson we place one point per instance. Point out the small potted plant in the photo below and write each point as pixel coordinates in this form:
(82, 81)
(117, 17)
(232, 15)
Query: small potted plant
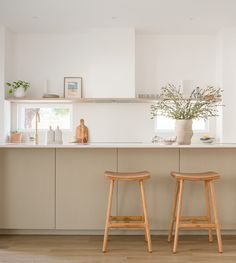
(15, 137)
(18, 88)
(201, 104)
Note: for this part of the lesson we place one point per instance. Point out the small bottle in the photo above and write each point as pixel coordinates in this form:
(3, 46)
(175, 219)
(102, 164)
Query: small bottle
(50, 136)
(58, 136)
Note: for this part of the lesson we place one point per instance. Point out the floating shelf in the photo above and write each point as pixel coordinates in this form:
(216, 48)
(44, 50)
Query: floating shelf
(82, 100)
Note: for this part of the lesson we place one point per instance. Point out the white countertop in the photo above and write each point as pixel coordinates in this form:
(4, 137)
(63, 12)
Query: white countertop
(117, 145)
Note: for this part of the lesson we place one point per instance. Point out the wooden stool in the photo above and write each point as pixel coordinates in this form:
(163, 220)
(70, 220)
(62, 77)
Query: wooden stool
(182, 221)
(124, 221)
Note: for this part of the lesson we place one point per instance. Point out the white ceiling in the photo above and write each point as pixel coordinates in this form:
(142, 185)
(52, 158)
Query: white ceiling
(152, 16)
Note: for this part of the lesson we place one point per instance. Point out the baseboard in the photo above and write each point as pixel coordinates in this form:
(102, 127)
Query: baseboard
(100, 232)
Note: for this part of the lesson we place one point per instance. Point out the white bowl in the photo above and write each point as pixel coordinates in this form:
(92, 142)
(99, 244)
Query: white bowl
(211, 140)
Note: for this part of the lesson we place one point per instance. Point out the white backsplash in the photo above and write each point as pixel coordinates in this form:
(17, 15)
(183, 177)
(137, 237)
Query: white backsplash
(107, 122)
(116, 122)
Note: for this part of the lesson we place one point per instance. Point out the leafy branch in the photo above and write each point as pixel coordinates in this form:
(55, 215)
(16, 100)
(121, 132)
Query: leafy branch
(16, 85)
(201, 104)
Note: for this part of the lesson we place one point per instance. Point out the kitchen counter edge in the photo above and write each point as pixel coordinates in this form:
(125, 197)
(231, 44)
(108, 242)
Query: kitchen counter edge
(116, 145)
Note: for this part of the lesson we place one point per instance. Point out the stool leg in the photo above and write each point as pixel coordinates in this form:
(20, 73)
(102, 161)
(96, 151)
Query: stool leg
(180, 195)
(217, 226)
(208, 209)
(147, 229)
(173, 212)
(108, 214)
(145, 235)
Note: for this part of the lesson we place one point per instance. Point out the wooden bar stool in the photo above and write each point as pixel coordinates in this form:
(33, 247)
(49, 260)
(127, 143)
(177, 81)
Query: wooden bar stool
(190, 222)
(127, 221)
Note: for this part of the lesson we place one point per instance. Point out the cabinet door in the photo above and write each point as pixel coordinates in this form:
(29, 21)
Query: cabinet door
(81, 188)
(27, 188)
(159, 189)
(222, 161)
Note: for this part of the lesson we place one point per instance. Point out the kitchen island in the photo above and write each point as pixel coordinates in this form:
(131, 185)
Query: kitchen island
(61, 188)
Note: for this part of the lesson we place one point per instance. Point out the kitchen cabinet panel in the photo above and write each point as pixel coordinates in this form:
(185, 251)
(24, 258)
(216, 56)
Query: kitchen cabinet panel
(27, 188)
(82, 189)
(159, 189)
(222, 161)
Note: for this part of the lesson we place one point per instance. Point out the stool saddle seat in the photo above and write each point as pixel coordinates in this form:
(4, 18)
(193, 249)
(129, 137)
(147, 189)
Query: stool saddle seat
(134, 176)
(206, 176)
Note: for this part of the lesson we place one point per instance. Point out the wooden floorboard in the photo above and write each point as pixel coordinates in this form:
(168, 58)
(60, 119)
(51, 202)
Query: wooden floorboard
(122, 249)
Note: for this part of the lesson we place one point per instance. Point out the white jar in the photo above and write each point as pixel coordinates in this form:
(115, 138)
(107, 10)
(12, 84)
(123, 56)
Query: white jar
(50, 136)
(58, 136)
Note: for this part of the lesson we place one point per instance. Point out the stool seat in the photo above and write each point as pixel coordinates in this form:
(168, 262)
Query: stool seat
(206, 176)
(134, 176)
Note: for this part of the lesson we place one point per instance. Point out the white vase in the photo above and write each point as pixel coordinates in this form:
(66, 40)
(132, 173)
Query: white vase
(184, 131)
(19, 92)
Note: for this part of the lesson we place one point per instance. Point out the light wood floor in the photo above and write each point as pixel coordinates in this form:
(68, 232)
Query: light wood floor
(122, 249)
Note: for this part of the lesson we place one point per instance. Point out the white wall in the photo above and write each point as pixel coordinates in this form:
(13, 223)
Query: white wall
(6, 69)
(227, 75)
(107, 122)
(106, 61)
(2, 72)
(103, 57)
(162, 59)
(117, 122)
(9, 55)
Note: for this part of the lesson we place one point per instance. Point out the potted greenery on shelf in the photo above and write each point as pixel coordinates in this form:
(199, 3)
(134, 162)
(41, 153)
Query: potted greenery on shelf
(15, 137)
(18, 88)
(201, 104)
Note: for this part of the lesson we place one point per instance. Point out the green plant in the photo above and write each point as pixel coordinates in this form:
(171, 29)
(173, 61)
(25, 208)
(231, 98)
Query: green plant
(15, 132)
(202, 103)
(16, 85)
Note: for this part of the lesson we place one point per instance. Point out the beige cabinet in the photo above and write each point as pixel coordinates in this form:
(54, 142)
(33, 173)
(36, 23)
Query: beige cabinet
(27, 188)
(66, 188)
(81, 188)
(219, 160)
(159, 189)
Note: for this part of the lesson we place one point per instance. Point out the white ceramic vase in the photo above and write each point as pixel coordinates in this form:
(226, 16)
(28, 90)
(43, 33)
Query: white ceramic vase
(184, 131)
(19, 92)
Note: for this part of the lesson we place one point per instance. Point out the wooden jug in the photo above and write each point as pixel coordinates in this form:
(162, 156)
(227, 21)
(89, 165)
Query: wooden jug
(82, 133)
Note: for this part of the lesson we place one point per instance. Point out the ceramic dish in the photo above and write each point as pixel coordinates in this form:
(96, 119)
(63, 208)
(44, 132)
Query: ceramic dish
(211, 140)
(207, 139)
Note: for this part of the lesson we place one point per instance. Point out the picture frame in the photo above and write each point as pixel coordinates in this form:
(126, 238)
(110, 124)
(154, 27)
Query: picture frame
(73, 87)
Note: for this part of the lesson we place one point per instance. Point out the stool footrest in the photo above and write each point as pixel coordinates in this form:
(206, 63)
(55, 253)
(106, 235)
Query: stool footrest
(196, 225)
(127, 218)
(193, 218)
(126, 225)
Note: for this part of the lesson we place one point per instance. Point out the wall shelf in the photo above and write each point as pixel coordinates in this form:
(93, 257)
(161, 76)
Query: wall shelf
(82, 100)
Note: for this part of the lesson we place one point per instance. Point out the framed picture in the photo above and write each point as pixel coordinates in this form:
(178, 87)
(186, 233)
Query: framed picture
(73, 87)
